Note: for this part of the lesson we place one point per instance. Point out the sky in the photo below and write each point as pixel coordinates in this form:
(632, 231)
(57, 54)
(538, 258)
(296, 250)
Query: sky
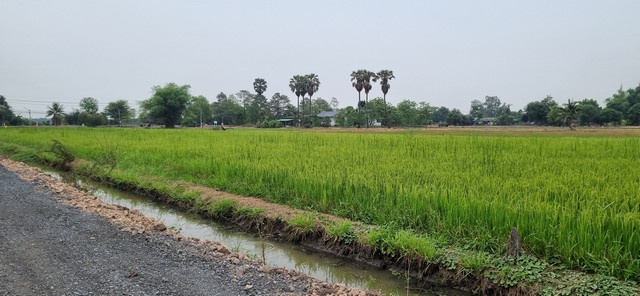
(445, 53)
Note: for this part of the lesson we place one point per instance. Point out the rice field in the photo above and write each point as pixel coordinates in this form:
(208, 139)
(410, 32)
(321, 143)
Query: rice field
(574, 198)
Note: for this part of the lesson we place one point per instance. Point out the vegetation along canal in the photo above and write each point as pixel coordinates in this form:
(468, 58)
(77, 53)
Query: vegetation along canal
(319, 265)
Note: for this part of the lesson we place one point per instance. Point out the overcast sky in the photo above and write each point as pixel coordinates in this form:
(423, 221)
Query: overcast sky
(446, 53)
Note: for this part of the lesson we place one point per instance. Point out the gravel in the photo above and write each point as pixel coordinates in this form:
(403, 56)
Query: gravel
(50, 248)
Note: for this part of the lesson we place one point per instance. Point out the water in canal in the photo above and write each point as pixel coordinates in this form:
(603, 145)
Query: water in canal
(319, 265)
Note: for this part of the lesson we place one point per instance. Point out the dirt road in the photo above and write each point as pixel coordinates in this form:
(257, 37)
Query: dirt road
(56, 240)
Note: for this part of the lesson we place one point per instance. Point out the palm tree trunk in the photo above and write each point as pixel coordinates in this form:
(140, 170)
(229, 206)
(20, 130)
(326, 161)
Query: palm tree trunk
(359, 100)
(386, 110)
(366, 106)
(298, 113)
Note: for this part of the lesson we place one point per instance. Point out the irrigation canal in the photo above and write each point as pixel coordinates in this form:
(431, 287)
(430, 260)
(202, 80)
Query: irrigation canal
(326, 267)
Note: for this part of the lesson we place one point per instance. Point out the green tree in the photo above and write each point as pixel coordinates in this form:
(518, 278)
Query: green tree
(318, 105)
(407, 113)
(610, 116)
(89, 105)
(6, 113)
(279, 106)
(297, 84)
(90, 119)
(227, 110)
(477, 110)
(347, 117)
(619, 102)
(491, 106)
(425, 113)
(118, 111)
(633, 115)
(538, 111)
(589, 112)
(455, 117)
(441, 115)
(384, 76)
(198, 112)
(167, 104)
(555, 116)
(73, 117)
(377, 110)
(56, 111)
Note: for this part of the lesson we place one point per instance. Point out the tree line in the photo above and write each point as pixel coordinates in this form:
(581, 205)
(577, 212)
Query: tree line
(173, 104)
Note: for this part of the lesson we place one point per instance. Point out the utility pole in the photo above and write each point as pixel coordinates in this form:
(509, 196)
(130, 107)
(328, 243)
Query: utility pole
(29, 117)
(200, 116)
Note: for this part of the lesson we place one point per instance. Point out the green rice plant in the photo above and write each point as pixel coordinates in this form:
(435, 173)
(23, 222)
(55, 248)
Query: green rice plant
(573, 198)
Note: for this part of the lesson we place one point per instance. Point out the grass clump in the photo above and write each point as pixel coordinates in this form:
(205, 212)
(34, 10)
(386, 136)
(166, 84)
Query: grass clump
(223, 208)
(342, 231)
(249, 211)
(304, 223)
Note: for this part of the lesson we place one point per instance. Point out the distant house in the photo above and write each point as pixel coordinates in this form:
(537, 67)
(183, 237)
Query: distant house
(286, 122)
(486, 121)
(328, 117)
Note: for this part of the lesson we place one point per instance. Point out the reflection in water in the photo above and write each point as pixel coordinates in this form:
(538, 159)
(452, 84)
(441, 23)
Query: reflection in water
(321, 266)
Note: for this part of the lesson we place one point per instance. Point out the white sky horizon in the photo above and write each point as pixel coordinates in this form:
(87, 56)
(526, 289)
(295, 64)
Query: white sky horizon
(445, 53)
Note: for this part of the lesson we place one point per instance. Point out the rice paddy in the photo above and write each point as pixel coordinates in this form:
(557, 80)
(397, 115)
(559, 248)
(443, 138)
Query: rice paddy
(574, 199)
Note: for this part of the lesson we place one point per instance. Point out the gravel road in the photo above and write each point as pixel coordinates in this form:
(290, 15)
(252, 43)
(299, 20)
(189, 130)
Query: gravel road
(48, 247)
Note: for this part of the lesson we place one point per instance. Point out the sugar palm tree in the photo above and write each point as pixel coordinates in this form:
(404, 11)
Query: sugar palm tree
(312, 83)
(367, 76)
(298, 87)
(56, 111)
(357, 81)
(384, 76)
(260, 86)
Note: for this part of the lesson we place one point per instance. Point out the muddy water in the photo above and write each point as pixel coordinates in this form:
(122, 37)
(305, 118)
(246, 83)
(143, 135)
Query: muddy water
(316, 264)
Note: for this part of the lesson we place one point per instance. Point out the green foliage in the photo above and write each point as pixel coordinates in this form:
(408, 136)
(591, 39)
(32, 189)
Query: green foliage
(89, 105)
(475, 261)
(62, 152)
(305, 223)
(222, 208)
(118, 111)
(343, 231)
(269, 124)
(510, 272)
(198, 111)
(167, 104)
(572, 283)
(249, 212)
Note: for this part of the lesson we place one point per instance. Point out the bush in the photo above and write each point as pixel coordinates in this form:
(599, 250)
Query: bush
(269, 124)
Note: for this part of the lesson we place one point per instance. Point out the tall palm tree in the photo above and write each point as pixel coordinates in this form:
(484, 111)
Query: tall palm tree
(367, 76)
(357, 81)
(56, 111)
(384, 76)
(297, 86)
(260, 86)
(312, 83)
